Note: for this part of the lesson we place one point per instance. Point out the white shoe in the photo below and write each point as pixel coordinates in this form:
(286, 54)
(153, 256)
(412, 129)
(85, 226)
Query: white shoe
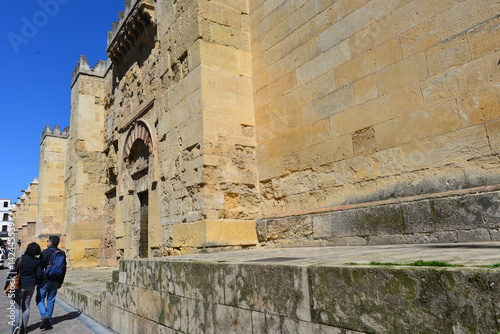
(16, 330)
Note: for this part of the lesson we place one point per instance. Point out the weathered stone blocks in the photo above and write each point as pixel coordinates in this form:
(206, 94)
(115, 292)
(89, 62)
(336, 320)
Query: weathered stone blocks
(256, 297)
(383, 300)
(460, 217)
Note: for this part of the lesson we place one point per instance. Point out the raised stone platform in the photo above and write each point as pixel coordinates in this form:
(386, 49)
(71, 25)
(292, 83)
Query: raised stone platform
(466, 215)
(301, 290)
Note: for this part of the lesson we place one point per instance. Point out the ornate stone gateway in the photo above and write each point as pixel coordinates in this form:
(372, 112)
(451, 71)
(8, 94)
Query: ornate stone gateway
(138, 153)
(138, 150)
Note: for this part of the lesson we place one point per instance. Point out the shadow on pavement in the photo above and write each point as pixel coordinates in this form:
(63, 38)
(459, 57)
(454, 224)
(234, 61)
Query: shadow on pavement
(56, 320)
(67, 316)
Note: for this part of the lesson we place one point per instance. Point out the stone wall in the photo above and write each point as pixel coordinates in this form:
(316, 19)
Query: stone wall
(470, 215)
(171, 89)
(179, 296)
(222, 173)
(85, 172)
(26, 212)
(211, 116)
(51, 191)
(359, 101)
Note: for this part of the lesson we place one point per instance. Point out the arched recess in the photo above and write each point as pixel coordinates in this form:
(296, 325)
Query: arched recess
(139, 161)
(139, 132)
(139, 139)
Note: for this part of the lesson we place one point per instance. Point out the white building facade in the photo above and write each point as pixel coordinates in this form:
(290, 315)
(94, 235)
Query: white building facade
(6, 218)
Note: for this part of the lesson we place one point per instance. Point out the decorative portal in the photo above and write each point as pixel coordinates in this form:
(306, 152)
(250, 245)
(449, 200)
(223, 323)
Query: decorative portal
(138, 149)
(138, 156)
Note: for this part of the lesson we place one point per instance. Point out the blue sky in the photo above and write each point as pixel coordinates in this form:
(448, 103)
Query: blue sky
(40, 44)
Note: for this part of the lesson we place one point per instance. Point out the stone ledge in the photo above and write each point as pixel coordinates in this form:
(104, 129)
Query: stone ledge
(470, 215)
(214, 233)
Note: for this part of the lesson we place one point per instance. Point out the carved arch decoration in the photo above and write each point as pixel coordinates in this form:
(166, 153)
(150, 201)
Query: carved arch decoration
(139, 131)
(139, 139)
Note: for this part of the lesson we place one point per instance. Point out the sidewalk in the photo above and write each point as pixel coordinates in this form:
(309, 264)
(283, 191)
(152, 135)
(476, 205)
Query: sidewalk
(65, 318)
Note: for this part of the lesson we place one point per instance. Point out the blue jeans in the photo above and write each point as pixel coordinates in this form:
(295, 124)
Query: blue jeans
(46, 297)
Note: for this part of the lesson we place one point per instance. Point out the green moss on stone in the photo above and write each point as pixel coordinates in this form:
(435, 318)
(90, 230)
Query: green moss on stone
(83, 299)
(115, 275)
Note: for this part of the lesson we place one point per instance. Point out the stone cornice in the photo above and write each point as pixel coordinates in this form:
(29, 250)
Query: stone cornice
(137, 16)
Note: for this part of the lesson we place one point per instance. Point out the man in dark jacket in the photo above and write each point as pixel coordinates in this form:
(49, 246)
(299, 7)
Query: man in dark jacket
(47, 290)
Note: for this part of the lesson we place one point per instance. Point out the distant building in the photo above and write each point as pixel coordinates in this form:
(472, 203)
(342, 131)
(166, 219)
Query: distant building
(5, 214)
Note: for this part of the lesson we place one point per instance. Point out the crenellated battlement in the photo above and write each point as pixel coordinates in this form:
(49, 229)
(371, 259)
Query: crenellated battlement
(83, 66)
(55, 132)
(129, 5)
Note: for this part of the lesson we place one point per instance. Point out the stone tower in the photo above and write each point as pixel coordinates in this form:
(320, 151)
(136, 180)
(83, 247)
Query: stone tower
(85, 173)
(51, 213)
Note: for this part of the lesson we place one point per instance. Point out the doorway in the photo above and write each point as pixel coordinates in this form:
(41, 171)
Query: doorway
(143, 239)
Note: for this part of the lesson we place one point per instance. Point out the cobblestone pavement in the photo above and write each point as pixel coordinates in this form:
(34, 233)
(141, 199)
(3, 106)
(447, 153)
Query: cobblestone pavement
(65, 319)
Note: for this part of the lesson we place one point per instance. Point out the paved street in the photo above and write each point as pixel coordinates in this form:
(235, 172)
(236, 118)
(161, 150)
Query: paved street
(65, 319)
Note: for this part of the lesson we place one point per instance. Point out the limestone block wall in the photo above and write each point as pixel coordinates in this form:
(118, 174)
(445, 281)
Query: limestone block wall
(217, 197)
(357, 101)
(25, 216)
(222, 112)
(202, 297)
(51, 191)
(19, 219)
(32, 193)
(181, 123)
(85, 169)
(469, 215)
(16, 215)
(204, 188)
(230, 169)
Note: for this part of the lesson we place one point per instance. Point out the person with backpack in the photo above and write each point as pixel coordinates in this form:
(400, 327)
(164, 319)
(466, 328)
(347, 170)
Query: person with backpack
(53, 264)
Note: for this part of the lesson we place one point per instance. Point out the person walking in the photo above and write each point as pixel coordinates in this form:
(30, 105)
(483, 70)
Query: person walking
(30, 273)
(53, 264)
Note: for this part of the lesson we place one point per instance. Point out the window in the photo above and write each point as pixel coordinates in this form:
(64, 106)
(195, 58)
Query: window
(5, 216)
(4, 228)
(5, 204)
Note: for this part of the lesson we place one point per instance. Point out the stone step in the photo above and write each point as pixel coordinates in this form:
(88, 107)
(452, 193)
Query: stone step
(466, 215)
